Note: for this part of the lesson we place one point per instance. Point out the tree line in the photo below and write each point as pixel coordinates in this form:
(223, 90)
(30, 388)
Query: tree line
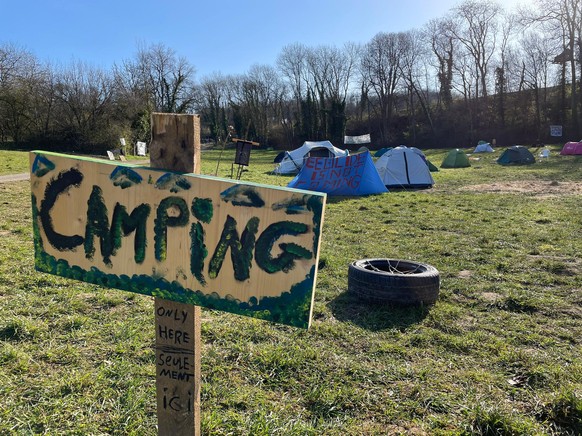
(478, 72)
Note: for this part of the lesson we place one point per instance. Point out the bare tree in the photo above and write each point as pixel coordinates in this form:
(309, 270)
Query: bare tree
(565, 19)
(502, 79)
(535, 62)
(381, 73)
(255, 99)
(43, 90)
(167, 80)
(330, 73)
(20, 77)
(214, 105)
(414, 74)
(263, 91)
(475, 27)
(443, 45)
(292, 63)
(84, 99)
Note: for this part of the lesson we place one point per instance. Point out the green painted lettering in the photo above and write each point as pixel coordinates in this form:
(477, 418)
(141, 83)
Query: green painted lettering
(61, 184)
(202, 209)
(198, 252)
(97, 226)
(241, 250)
(289, 252)
(122, 224)
(163, 221)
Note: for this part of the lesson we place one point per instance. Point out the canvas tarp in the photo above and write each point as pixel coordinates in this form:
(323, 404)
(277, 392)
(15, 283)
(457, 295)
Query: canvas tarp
(404, 167)
(572, 148)
(293, 160)
(344, 175)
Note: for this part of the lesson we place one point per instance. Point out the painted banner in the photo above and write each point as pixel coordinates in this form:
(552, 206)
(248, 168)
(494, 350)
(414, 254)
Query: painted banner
(243, 248)
(345, 175)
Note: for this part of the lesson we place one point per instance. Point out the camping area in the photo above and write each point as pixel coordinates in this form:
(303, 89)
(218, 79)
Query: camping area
(498, 353)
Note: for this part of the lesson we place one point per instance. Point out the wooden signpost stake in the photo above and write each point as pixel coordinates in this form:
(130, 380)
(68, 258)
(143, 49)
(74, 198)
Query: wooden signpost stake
(175, 146)
(188, 240)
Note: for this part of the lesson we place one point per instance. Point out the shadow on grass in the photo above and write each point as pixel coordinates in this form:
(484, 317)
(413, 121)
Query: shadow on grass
(376, 316)
(282, 176)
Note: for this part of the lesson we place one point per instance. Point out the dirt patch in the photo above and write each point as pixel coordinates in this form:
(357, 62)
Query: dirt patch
(491, 296)
(536, 187)
(14, 177)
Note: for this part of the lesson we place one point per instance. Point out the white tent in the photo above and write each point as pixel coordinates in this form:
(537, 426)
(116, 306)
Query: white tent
(403, 167)
(417, 151)
(483, 147)
(293, 160)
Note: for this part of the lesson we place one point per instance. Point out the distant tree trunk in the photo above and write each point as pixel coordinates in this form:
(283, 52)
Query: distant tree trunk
(500, 95)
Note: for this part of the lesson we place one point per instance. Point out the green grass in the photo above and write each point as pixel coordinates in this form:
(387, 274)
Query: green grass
(499, 353)
(13, 162)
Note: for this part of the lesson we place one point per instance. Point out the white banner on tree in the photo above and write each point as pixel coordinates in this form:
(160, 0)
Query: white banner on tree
(362, 139)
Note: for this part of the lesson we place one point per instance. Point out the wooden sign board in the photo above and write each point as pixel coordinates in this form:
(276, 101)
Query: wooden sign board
(244, 248)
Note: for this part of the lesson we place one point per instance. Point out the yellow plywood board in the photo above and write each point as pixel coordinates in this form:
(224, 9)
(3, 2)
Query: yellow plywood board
(239, 247)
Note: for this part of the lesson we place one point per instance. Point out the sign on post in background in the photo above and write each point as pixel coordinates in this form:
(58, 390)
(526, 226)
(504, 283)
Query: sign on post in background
(140, 148)
(555, 130)
(243, 248)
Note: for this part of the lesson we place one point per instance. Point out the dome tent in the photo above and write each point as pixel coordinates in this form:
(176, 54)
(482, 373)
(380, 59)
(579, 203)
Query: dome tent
(403, 167)
(279, 157)
(483, 147)
(383, 150)
(431, 167)
(516, 155)
(456, 158)
(572, 148)
(354, 174)
(293, 160)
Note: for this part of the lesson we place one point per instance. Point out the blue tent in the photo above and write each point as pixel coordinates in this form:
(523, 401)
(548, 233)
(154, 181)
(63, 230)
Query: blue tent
(382, 151)
(346, 175)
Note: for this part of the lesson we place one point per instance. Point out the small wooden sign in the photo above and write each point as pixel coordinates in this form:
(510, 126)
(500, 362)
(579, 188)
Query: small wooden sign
(178, 352)
(243, 248)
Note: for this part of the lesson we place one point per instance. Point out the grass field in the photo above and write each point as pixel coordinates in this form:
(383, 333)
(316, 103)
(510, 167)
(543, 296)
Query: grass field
(13, 162)
(498, 354)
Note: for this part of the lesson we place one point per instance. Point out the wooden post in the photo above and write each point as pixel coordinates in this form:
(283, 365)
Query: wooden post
(118, 206)
(175, 146)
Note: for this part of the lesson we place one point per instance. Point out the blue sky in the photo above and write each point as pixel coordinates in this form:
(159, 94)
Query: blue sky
(226, 36)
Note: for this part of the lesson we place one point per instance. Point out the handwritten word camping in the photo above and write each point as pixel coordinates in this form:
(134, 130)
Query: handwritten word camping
(170, 235)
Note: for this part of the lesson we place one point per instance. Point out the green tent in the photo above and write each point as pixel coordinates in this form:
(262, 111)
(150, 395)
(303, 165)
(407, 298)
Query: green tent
(431, 167)
(516, 155)
(456, 159)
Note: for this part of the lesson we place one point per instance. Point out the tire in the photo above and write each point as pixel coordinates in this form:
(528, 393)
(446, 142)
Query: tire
(393, 281)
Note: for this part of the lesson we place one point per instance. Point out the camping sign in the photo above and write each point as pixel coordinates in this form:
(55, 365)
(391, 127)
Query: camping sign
(239, 247)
